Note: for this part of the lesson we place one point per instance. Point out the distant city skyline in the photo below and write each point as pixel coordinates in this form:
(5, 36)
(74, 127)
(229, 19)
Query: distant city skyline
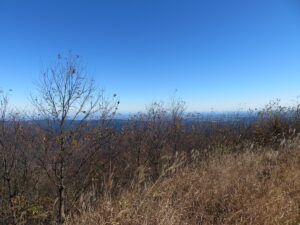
(218, 55)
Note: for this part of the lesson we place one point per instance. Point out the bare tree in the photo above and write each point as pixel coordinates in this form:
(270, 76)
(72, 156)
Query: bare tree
(14, 167)
(7, 160)
(71, 106)
(176, 110)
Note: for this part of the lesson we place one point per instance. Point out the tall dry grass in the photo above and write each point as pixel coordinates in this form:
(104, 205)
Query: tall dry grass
(253, 187)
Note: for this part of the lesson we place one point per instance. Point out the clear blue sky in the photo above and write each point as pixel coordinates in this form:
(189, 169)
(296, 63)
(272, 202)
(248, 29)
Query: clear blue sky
(218, 54)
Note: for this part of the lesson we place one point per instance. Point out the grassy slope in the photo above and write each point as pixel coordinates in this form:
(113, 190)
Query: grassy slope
(261, 187)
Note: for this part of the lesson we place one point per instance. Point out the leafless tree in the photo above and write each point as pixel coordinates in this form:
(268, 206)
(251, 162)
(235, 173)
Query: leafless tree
(71, 107)
(14, 168)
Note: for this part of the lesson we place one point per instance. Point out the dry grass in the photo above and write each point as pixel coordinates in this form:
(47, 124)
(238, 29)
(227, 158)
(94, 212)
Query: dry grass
(261, 187)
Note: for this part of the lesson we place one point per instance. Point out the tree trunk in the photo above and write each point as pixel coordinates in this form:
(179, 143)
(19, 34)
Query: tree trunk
(61, 204)
(61, 187)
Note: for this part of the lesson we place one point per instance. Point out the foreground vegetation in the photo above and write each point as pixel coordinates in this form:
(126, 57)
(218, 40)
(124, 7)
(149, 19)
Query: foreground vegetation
(261, 187)
(70, 162)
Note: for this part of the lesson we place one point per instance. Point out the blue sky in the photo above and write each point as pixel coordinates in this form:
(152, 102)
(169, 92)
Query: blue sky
(217, 54)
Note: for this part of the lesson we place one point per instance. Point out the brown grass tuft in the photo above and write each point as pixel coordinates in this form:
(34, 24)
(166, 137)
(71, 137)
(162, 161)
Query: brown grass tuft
(236, 188)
